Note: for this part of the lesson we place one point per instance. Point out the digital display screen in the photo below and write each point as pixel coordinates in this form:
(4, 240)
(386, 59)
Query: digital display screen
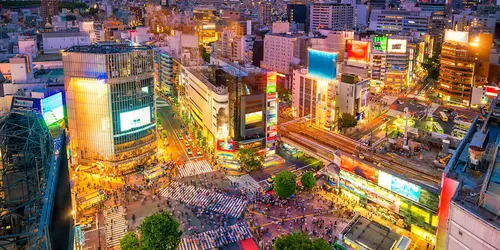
(456, 36)
(253, 117)
(380, 43)
(229, 146)
(358, 51)
(135, 118)
(52, 109)
(396, 45)
(358, 168)
(399, 186)
(322, 64)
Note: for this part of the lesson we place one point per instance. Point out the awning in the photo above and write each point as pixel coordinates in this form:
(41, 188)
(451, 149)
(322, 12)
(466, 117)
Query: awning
(248, 244)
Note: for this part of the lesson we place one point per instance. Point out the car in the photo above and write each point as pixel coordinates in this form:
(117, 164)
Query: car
(193, 144)
(186, 144)
(198, 152)
(189, 151)
(180, 136)
(189, 138)
(400, 102)
(271, 178)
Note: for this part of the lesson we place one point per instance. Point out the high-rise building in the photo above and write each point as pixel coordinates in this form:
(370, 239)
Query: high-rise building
(297, 13)
(279, 52)
(265, 13)
(48, 9)
(457, 68)
(110, 104)
(399, 21)
(331, 16)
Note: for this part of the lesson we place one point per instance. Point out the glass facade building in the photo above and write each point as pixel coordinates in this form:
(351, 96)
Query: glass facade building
(110, 103)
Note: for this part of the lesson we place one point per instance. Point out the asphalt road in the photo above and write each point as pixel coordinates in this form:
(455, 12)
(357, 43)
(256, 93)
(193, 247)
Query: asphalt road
(177, 146)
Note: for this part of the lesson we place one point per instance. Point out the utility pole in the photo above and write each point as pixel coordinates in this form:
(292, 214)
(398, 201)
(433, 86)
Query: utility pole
(405, 140)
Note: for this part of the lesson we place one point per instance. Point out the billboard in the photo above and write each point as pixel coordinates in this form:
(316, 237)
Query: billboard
(135, 118)
(456, 36)
(357, 167)
(399, 186)
(380, 43)
(253, 117)
(358, 51)
(52, 108)
(322, 64)
(227, 146)
(271, 113)
(396, 45)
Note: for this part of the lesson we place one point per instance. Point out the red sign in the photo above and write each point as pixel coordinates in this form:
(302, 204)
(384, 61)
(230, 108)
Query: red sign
(356, 167)
(271, 96)
(229, 146)
(358, 51)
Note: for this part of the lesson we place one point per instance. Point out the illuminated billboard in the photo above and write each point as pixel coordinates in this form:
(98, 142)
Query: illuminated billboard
(358, 51)
(357, 167)
(227, 146)
(380, 43)
(399, 186)
(135, 118)
(253, 117)
(322, 64)
(271, 114)
(456, 36)
(52, 109)
(396, 45)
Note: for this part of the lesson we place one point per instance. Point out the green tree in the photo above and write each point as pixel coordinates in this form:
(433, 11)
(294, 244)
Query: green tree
(284, 94)
(129, 242)
(204, 54)
(346, 121)
(284, 184)
(308, 181)
(250, 159)
(160, 231)
(300, 241)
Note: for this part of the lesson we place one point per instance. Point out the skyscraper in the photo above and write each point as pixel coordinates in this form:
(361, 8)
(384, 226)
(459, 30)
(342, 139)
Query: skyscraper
(48, 9)
(331, 16)
(110, 104)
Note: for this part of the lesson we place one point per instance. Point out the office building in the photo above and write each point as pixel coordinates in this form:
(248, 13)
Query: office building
(265, 13)
(331, 16)
(279, 51)
(298, 13)
(54, 42)
(470, 194)
(399, 21)
(376, 4)
(110, 104)
(48, 9)
(352, 95)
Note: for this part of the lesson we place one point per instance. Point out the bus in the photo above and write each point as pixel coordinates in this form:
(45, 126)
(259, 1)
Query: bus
(443, 116)
(462, 125)
(458, 133)
(155, 172)
(91, 200)
(437, 128)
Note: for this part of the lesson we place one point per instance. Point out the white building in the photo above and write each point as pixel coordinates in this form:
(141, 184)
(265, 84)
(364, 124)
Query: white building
(28, 46)
(279, 52)
(56, 41)
(331, 16)
(399, 21)
(351, 94)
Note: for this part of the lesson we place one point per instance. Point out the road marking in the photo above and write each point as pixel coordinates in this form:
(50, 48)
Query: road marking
(177, 137)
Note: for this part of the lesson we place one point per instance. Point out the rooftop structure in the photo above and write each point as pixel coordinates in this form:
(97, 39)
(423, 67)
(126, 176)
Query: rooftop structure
(107, 48)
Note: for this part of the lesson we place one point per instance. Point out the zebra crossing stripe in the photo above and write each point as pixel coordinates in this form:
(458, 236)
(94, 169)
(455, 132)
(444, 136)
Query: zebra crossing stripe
(116, 230)
(217, 237)
(192, 168)
(206, 198)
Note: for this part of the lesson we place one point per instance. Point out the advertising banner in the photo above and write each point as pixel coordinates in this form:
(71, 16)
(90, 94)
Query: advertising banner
(380, 43)
(322, 64)
(358, 51)
(229, 146)
(396, 45)
(358, 168)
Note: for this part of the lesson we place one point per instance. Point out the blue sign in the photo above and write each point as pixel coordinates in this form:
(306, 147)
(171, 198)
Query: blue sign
(322, 64)
(406, 189)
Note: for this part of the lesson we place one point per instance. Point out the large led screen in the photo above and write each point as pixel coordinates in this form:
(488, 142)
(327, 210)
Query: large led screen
(322, 64)
(253, 117)
(380, 43)
(52, 109)
(456, 36)
(359, 168)
(135, 118)
(399, 186)
(358, 51)
(396, 45)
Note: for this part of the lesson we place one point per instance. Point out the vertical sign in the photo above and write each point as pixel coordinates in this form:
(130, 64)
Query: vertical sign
(271, 114)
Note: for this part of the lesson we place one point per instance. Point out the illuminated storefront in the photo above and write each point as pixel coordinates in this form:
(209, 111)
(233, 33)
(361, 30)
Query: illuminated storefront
(391, 197)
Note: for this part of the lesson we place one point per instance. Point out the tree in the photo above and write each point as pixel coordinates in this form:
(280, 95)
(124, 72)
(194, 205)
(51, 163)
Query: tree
(308, 181)
(284, 94)
(129, 242)
(160, 231)
(346, 121)
(300, 241)
(250, 159)
(284, 184)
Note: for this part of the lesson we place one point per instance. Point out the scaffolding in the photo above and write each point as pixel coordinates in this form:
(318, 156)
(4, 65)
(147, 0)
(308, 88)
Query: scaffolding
(29, 171)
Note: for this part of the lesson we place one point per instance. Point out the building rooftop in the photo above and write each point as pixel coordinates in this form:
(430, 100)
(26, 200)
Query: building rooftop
(476, 166)
(107, 48)
(372, 235)
(63, 34)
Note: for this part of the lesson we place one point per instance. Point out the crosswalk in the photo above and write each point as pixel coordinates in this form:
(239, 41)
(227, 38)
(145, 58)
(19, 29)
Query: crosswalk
(216, 238)
(192, 168)
(245, 181)
(204, 198)
(115, 225)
